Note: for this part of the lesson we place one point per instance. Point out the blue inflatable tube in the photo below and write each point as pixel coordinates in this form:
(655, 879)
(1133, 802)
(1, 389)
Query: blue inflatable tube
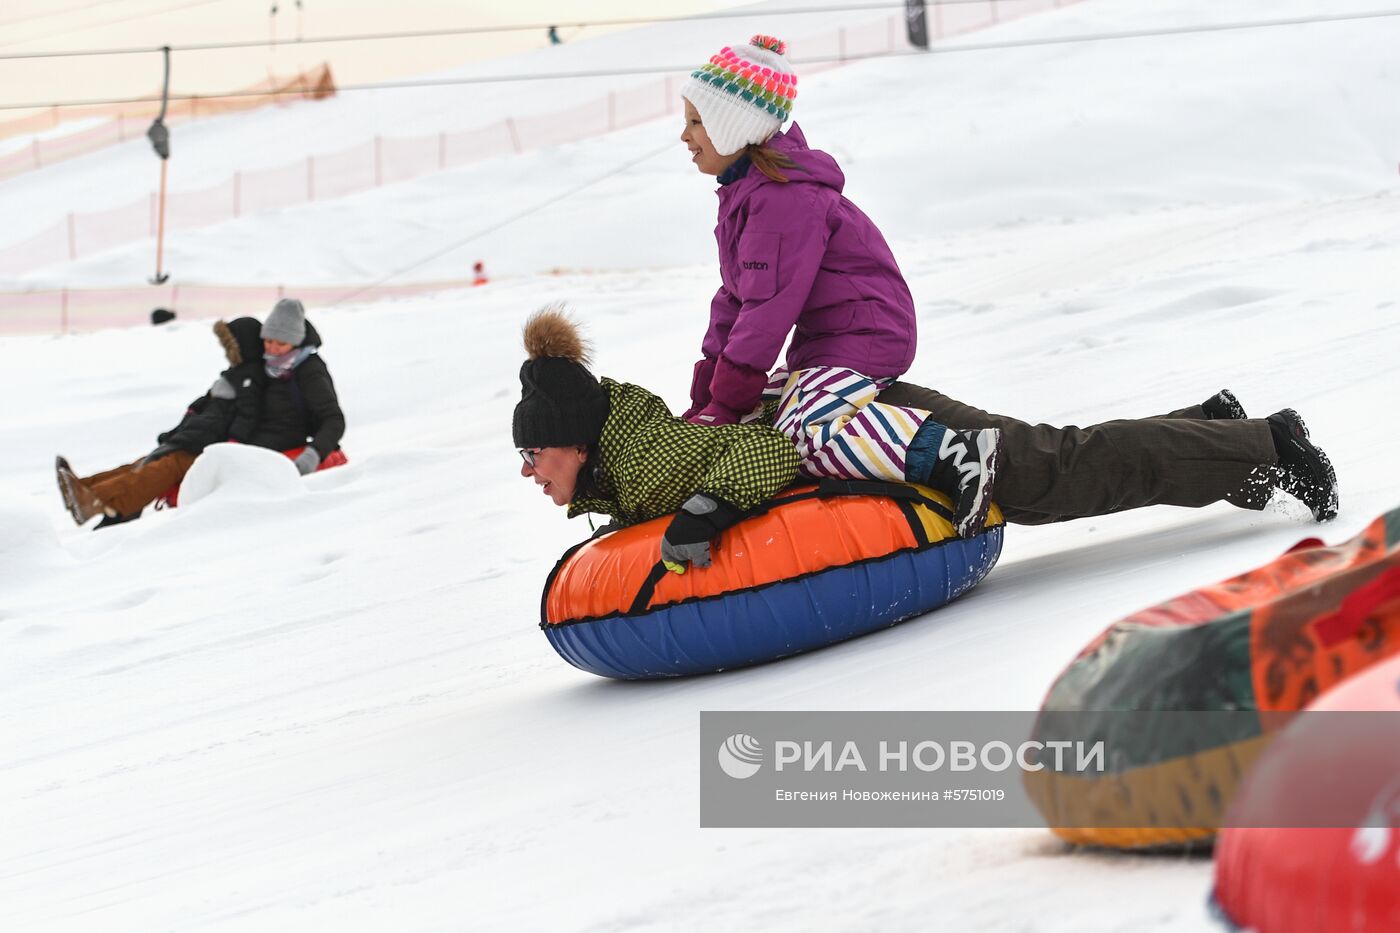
(656, 634)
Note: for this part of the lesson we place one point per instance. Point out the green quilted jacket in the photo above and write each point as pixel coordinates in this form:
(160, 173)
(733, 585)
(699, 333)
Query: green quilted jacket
(648, 461)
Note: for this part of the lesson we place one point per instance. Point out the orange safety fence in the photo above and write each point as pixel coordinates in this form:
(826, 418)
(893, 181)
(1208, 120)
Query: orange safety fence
(75, 310)
(128, 120)
(385, 160)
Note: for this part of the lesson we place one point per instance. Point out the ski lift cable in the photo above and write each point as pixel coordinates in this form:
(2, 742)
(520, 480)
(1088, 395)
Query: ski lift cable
(505, 222)
(683, 69)
(191, 4)
(60, 11)
(487, 30)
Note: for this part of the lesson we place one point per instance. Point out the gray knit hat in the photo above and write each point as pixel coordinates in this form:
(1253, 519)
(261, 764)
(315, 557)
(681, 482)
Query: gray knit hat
(286, 323)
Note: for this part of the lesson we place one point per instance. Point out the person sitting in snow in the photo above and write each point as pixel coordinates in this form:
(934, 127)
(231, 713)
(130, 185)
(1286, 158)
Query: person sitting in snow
(277, 394)
(301, 414)
(796, 256)
(615, 449)
(231, 408)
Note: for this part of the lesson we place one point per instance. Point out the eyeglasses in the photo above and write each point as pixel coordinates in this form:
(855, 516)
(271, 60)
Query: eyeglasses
(527, 454)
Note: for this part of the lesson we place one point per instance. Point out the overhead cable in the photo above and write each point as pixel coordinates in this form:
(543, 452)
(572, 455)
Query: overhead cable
(682, 69)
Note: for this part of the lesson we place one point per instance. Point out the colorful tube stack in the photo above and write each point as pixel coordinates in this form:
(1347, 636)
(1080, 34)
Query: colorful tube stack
(1266, 642)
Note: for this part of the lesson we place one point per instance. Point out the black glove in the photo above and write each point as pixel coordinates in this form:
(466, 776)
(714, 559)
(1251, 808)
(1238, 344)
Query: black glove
(688, 537)
(159, 452)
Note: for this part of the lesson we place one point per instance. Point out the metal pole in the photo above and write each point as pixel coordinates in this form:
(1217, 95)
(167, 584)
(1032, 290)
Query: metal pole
(160, 140)
(160, 228)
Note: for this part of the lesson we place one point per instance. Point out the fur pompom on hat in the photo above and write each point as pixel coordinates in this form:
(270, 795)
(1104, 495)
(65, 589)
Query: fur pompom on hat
(562, 404)
(744, 94)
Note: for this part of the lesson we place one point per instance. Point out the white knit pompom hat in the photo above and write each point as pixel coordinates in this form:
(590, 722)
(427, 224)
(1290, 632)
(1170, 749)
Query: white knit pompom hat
(744, 94)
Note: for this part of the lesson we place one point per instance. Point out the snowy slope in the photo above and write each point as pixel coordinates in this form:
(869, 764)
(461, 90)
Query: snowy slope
(208, 151)
(931, 144)
(329, 706)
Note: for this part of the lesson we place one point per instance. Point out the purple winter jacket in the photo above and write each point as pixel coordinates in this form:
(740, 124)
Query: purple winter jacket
(798, 254)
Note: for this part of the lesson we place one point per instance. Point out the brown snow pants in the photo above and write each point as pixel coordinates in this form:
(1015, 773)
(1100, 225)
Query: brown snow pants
(1050, 474)
(129, 489)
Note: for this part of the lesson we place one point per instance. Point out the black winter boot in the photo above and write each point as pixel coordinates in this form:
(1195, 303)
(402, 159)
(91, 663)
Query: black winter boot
(962, 464)
(1304, 471)
(1223, 406)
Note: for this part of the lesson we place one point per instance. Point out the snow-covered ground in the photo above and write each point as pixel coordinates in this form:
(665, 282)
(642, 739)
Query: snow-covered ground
(328, 705)
(206, 152)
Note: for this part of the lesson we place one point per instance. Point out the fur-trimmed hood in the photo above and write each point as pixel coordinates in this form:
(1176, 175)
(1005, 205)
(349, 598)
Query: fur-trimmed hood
(241, 339)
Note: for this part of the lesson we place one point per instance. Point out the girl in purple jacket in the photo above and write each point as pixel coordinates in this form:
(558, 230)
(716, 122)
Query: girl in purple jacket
(797, 257)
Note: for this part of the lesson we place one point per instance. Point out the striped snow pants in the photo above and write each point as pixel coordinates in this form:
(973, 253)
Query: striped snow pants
(839, 428)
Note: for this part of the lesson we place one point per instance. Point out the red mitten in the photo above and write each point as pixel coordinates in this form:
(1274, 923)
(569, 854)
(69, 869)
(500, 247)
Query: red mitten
(735, 390)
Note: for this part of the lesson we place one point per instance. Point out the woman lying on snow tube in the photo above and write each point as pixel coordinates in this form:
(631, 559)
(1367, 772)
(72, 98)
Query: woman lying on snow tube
(624, 606)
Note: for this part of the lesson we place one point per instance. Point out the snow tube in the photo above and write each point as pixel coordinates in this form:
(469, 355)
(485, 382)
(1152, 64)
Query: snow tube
(1308, 879)
(1266, 642)
(814, 566)
(171, 497)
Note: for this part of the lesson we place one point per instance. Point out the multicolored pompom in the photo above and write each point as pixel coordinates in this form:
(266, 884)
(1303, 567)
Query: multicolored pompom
(769, 43)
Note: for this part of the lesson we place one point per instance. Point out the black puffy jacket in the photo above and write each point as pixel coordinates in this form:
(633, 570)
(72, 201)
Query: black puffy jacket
(232, 407)
(303, 407)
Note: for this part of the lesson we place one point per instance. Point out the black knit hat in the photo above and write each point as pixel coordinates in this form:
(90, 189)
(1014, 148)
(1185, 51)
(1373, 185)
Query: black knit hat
(562, 404)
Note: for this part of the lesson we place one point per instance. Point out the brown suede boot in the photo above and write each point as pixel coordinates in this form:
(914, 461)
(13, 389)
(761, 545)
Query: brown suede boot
(80, 501)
